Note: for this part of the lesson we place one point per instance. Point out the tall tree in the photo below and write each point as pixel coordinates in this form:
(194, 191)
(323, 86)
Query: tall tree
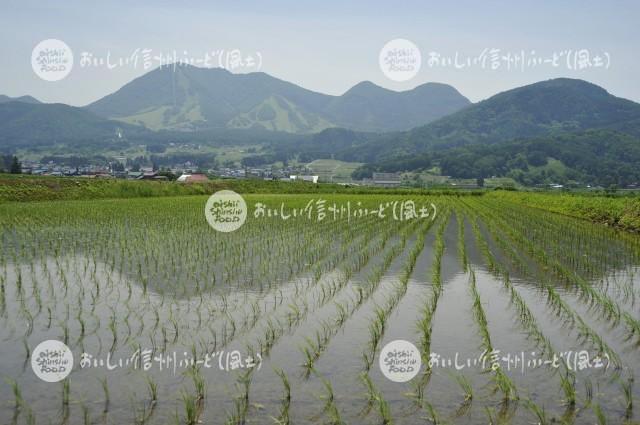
(16, 166)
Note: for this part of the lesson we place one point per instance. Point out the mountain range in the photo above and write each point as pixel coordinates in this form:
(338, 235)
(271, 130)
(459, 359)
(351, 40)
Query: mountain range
(192, 98)
(517, 132)
(541, 109)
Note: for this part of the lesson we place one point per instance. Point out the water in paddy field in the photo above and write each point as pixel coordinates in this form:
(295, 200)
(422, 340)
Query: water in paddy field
(307, 307)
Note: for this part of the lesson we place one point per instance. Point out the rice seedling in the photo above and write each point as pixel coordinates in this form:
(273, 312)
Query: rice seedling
(330, 409)
(539, 412)
(465, 385)
(384, 410)
(371, 394)
(17, 393)
(588, 391)
(283, 417)
(153, 389)
(190, 406)
(600, 416)
(86, 415)
(105, 389)
(433, 415)
(568, 385)
(241, 401)
(375, 398)
(66, 390)
(627, 391)
(142, 414)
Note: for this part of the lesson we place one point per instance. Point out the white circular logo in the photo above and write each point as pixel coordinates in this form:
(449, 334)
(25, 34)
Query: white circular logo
(52, 360)
(225, 211)
(52, 60)
(400, 60)
(400, 361)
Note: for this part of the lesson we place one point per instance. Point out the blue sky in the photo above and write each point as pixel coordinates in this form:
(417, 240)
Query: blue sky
(324, 46)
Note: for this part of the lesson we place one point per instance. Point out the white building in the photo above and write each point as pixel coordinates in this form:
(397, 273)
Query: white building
(310, 179)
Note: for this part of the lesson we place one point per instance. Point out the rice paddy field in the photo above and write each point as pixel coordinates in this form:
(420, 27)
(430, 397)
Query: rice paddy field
(520, 316)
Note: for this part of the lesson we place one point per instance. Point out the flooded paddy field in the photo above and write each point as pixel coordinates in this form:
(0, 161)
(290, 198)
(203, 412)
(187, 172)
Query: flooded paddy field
(519, 315)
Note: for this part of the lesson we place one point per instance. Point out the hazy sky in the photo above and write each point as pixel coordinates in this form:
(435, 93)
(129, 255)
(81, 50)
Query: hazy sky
(326, 46)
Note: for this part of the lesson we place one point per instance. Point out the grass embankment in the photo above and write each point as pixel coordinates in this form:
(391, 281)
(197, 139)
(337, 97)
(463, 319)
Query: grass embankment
(617, 211)
(23, 188)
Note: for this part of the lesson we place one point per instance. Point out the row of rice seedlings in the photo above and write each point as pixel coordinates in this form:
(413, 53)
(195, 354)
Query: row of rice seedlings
(375, 398)
(502, 381)
(328, 289)
(609, 309)
(330, 409)
(555, 301)
(229, 330)
(113, 327)
(462, 252)
(568, 238)
(619, 285)
(375, 277)
(567, 377)
(526, 318)
(425, 323)
(281, 252)
(528, 322)
(377, 324)
(250, 322)
(251, 319)
(146, 255)
(241, 403)
(315, 347)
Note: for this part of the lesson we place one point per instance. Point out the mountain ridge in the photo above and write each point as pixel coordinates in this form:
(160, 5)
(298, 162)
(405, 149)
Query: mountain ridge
(191, 98)
(540, 109)
(23, 99)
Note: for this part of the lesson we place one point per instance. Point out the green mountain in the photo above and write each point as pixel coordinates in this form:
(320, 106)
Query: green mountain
(29, 124)
(542, 108)
(368, 107)
(190, 98)
(557, 130)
